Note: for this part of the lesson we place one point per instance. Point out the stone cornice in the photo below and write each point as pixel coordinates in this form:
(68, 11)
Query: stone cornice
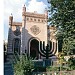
(35, 15)
(17, 24)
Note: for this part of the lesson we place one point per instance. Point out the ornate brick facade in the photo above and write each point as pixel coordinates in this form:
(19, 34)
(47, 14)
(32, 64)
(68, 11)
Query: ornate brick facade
(34, 27)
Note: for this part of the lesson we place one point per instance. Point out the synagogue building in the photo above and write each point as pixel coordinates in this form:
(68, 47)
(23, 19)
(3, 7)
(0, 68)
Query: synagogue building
(25, 36)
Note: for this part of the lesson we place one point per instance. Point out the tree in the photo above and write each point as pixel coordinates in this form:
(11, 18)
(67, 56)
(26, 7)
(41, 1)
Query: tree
(71, 63)
(63, 17)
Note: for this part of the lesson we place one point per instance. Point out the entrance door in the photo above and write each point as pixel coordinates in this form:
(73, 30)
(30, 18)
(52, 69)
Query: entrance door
(16, 46)
(34, 47)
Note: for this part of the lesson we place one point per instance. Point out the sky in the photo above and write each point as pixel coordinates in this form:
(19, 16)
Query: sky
(15, 7)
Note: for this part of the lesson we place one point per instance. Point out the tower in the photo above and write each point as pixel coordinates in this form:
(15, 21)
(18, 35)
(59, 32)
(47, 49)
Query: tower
(10, 20)
(14, 36)
(23, 30)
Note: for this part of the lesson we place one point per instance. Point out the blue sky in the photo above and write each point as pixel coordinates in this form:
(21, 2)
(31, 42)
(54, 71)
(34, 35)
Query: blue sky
(15, 7)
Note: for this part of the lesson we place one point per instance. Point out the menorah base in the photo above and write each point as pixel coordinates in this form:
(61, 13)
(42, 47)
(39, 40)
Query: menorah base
(42, 63)
(47, 62)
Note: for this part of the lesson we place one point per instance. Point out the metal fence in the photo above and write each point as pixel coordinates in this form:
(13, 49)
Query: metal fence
(55, 73)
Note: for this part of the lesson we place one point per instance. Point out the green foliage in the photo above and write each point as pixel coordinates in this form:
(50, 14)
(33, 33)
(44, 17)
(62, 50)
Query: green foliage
(23, 65)
(71, 63)
(21, 72)
(52, 68)
(68, 46)
(61, 58)
(62, 15)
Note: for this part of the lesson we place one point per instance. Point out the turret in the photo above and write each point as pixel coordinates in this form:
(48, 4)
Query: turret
(46, 13)
(10, 19)
(23, 45)
(24, 9)
(23, 16)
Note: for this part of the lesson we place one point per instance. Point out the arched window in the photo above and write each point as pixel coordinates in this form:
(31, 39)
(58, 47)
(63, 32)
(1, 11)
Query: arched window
(16, 45)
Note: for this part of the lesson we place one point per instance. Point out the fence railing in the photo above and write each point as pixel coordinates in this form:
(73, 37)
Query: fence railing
(55, 73)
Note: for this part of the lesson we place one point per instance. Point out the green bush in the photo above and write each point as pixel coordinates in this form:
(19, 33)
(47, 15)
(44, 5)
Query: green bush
(23, 65)
(62, 68)
(71, 63)
(50, 68)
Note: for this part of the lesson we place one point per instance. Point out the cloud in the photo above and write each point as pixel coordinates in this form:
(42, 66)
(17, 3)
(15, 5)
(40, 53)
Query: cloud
(33, 5)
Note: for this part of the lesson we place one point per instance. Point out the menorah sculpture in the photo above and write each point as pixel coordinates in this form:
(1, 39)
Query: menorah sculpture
(49, 50)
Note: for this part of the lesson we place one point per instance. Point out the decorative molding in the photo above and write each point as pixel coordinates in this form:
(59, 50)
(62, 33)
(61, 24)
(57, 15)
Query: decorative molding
(36, 15)
(17, 24)
(35, 30)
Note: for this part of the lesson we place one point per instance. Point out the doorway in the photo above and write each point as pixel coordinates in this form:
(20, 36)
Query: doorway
(34, 47)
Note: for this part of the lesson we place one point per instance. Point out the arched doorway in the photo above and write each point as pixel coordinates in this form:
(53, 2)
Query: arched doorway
(16, 45)
(34, 47)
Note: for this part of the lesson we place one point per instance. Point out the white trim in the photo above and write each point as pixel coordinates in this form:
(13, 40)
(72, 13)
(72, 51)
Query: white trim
(30, 42)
